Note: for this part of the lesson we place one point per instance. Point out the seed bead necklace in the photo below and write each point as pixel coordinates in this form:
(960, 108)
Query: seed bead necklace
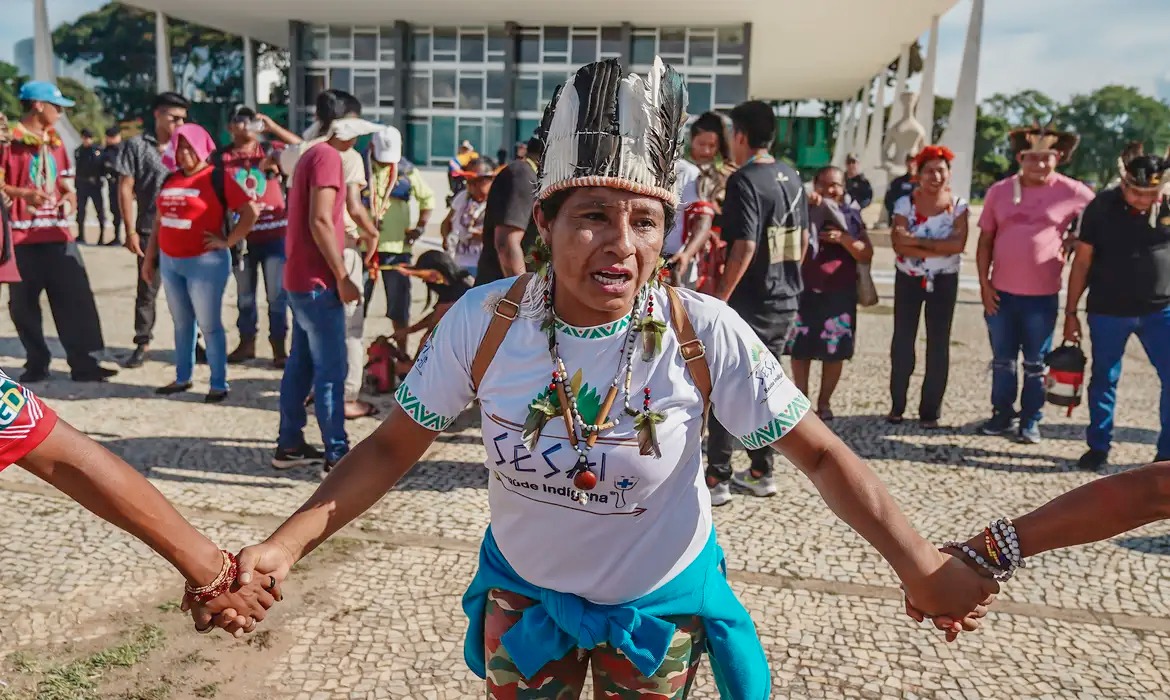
(582, 435)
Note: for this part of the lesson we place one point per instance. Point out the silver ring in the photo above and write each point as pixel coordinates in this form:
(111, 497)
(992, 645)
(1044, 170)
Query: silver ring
(271, 582)
(205, 631)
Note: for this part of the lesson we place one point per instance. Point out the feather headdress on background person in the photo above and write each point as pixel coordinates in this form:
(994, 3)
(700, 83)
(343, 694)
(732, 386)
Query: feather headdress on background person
(1145, 173)
(606, 129)
(1044, 139)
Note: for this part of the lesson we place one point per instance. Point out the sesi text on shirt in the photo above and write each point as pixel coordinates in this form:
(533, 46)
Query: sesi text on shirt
(29, 162)
(25, 421)
(648, 518)
(189, 209)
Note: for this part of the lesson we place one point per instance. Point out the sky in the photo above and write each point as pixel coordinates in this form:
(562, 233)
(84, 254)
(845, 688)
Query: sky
(1061, 47)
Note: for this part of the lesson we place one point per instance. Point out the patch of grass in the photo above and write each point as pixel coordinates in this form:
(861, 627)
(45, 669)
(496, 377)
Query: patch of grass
(169, 606)
(22, 662)
(194, 658)
(207, 691)
(79, 680)
(260, 640)
(162, 691)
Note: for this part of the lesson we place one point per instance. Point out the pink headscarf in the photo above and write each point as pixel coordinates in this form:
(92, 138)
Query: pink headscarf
(196, 136)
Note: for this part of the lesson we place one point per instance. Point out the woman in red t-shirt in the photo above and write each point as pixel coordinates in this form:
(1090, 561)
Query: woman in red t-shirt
(191, 252)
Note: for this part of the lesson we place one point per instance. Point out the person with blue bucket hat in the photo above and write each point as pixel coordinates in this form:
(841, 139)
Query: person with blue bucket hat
(36, 176)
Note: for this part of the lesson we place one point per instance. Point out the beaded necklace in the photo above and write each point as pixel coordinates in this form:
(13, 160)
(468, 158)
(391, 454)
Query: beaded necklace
(583, 435)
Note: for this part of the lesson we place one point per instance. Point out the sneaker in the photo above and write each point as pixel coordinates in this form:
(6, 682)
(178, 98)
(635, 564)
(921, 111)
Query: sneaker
(758, 485)
(137, 358)
(998, 424)
(1030, 435)
(99, 374)
(31, 376)
(287, 458)
(1093, 460)
(720, 494)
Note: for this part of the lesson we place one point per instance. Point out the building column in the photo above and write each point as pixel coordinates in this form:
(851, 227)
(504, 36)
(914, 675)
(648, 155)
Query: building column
(872, 160)
(960, 134)
(44, 65)
(401, 77)
(627, 44)
(925, 113)
(510, 59)
(296, 76)
(164, 79)
(900, 85)
(249, 73)
(747, 61)
(861, 135)
(842, 144)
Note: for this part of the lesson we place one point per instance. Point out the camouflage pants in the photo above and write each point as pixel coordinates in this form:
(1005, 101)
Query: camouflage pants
(614, 676)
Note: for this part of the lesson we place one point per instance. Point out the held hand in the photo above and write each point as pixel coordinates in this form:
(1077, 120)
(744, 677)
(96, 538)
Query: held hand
(134, 244)
(951, 591)
(348, 291)
(1072, 328)
(413, 235)
(213, 242)
(990, 299)
(237, 611)
(34, 198)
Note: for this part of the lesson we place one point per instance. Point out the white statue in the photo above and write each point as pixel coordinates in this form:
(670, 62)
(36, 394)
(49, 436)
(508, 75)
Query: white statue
(904, 138)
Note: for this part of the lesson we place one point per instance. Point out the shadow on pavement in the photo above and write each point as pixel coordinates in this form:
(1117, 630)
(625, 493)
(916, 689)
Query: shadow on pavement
(1159, 544)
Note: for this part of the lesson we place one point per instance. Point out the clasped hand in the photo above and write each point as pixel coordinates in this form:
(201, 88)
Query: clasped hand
(262, 569)
(952, 594)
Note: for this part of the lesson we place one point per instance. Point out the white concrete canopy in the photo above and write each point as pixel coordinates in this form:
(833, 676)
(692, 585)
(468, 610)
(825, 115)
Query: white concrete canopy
(800, 49)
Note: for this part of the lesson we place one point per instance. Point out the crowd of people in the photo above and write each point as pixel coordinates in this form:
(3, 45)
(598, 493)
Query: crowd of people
(560, 324)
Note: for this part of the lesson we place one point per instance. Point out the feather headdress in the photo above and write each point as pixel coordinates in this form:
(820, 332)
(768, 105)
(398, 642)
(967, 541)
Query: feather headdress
(603, 129)
(1141, 171)
(1044, 139)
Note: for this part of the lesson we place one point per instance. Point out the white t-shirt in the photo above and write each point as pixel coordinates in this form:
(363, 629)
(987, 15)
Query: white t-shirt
(688, 185)
(468, 217)
(352, 166)
(937, 227)
(648, 518)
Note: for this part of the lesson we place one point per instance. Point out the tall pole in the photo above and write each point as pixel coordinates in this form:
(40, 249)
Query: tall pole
(249, 73)
(164, 79)
(925, 113)
(960, 134)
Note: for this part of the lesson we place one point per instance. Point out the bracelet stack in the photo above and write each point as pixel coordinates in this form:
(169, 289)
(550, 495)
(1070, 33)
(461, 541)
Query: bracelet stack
(222, 583)
(1002, 544)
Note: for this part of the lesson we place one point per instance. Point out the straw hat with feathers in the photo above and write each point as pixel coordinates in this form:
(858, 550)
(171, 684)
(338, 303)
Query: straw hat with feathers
(1044, 139)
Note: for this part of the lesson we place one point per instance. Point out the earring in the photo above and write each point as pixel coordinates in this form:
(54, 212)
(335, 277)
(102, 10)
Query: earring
(539, 257)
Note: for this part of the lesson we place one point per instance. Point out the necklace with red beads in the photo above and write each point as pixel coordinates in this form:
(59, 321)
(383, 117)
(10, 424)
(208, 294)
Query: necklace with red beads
(583, 435)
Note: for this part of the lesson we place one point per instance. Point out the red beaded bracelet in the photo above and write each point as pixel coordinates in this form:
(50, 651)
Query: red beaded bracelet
(222, 583)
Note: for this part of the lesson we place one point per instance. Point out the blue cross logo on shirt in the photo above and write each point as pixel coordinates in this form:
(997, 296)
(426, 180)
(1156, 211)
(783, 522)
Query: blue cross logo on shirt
(625, 484)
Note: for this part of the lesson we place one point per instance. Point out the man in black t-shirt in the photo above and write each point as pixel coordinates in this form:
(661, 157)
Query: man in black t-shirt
(508, 229)
(765, 224)
(1123, 258)
(901, 186)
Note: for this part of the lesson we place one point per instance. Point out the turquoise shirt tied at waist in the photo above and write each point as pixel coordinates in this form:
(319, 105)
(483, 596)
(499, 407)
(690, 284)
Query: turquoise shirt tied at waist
(561, 622)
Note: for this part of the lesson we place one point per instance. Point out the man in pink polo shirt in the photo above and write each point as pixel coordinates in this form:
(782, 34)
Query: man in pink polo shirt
(1026, 229)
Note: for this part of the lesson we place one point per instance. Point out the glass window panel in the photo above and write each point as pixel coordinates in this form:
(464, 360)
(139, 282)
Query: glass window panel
(470, 92)
(314, 85)
(493, 137)
(611, 41)
(643, 50)
(556, 39)
(701, 51)
(528, 93)
(387, 81)
(315, 45)
(418, 140)
(340, 39)
(698, 97)
(471, 48)
(365, 88)
(529, 48)
(420, 91)
(474, 133)
(525, 128)
(365, 47)
(420, 47)
(339, 79)
(386, 43)
(497, 43)
(442, 138)
(729, 89)
(731, 40)
(443, 87)
(446, 39)
(496, 85)
(584, 49)
(672, 42)
(549, 85)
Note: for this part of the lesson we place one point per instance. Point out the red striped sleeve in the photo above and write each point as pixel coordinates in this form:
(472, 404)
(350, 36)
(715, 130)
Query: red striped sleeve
(25, 421)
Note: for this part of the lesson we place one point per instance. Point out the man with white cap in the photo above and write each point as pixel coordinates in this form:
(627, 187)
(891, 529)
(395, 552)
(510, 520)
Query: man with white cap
(319, 286)
(36, 175)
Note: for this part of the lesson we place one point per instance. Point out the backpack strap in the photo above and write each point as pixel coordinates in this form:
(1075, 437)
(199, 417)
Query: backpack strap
(506, 311)
(693, 352)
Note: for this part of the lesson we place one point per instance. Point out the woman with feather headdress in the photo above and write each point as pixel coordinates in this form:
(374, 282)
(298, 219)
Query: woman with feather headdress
(594, 379)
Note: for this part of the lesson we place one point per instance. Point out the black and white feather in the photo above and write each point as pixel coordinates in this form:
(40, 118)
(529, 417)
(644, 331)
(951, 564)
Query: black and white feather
(606, 129)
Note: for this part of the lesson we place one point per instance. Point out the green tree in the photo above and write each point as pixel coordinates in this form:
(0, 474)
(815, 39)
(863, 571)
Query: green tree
(88, 113)
(1023, 108)
(1108, 119)
(10, 80)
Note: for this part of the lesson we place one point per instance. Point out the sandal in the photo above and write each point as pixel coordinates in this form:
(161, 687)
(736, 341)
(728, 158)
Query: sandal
(366, 410)
(893, 419)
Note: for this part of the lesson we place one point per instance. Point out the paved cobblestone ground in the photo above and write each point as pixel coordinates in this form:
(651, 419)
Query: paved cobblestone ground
(376, 614)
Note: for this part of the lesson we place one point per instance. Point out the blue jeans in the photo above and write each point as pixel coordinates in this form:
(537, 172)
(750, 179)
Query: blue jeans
(268, 257)
(1023, 325)
(316, 361)
(195, 289)
(1109, 335)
